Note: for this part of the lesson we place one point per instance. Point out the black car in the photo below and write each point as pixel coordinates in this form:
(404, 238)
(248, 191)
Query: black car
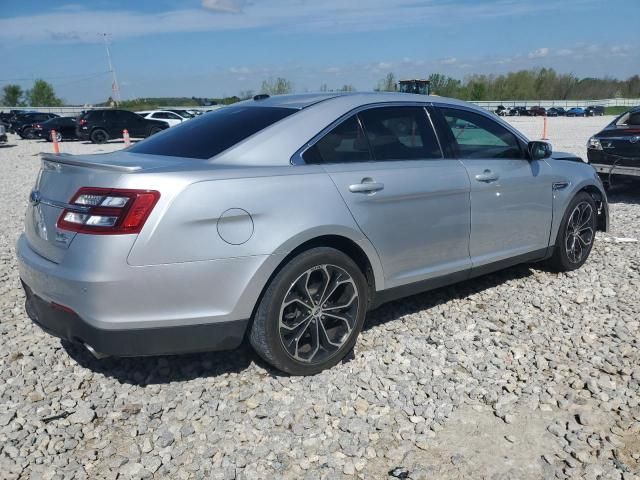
(556, 112)
(100, 126)
(615, 150)
(519, 112)
(65, 128)
(22, 123)
(594, 111)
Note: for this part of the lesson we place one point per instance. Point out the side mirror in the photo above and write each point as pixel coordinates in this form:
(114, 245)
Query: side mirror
(539, 150)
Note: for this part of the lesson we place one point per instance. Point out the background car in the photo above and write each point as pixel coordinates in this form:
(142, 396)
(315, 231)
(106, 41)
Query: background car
(615, 150)
(575, 112)
(501, 111)
(185, 241)
(65, 128)
(3, 134)
(167, 116)
(518, 112)
(594, 111)
(537, 111)
(556, 112)
(23, 123)
(100, 126)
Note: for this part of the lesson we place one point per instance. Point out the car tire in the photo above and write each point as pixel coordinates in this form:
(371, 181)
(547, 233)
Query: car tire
(99, 136)
(154, 130)
(311, 313)
(28, 134)
(576, 234)
(58, 136)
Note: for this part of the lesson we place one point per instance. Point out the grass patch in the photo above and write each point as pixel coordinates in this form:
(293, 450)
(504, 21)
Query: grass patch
(615, 110)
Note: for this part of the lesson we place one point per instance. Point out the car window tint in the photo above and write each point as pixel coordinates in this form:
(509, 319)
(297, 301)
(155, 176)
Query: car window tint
(210, 134)
(345, 143)
(400, 133)
(477, 136)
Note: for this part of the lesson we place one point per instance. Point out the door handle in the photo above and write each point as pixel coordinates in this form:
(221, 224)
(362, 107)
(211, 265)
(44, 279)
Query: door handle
(367, 186)
(487, 176)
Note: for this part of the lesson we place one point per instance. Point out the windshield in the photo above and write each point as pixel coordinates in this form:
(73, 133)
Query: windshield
(208, 135)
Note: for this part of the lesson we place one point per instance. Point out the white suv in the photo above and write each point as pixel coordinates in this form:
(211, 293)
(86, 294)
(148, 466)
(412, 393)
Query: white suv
(167, 116)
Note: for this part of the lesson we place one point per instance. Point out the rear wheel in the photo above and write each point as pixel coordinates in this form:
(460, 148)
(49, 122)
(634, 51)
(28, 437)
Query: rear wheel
(311, 313)
(576, 235)
(28, 133)
(99, 136)
(154, 130)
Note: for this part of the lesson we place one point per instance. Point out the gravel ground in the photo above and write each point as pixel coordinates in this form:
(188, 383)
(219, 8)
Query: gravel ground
(521, 374)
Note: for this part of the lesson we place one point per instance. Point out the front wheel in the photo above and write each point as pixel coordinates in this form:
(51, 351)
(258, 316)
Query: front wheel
(28, 133)
(311, 313)
(154, 130)
(576, 234)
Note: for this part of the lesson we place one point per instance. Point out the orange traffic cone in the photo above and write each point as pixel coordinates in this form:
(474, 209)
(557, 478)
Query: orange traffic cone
(127, 139)
(54, 139)
(545, 130)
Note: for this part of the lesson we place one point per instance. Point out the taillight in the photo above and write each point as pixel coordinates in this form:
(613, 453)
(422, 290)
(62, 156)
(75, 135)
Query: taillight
(82, 121)
(108, 211)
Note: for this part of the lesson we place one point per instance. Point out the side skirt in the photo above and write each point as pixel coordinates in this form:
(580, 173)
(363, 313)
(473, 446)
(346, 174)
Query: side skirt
(403, 291)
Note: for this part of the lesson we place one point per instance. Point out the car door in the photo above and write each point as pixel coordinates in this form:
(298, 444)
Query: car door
(134, 123)
(511, 196)
(411, 203)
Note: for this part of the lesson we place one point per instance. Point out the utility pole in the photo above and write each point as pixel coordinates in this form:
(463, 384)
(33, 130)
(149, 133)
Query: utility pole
(114, 79)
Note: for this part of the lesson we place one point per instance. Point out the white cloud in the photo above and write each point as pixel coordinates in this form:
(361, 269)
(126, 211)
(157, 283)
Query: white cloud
(449, 61)
(539, 53)
(240, 70)
(225, 6)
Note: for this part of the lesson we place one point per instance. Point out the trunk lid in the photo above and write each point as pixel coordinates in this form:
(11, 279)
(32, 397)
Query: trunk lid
(60, 177)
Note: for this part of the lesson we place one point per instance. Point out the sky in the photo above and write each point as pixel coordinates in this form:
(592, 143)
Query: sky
(214, 48)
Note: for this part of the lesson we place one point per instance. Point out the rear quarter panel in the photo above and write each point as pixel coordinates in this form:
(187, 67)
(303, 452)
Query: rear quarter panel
(277, 209)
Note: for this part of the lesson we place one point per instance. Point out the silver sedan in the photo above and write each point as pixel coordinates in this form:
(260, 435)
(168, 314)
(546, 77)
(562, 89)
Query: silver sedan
(286, 219)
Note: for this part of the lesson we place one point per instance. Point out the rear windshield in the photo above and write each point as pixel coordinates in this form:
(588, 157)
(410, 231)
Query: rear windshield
(212, 133)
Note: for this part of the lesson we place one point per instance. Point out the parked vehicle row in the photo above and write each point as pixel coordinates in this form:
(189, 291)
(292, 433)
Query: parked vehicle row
(185, 241)
(538, 111)
(98, 126)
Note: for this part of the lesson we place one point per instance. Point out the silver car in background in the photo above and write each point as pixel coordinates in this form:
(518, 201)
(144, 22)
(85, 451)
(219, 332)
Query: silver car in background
(286, 219)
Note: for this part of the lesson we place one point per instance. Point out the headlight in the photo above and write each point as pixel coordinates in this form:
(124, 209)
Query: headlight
(594, 144)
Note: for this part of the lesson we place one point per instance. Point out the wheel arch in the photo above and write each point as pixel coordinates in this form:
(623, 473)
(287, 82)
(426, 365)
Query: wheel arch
(361, 252)
(601, 204)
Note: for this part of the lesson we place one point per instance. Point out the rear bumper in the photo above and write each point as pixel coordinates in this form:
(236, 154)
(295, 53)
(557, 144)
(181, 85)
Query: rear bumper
(124, 310)
(67, 325)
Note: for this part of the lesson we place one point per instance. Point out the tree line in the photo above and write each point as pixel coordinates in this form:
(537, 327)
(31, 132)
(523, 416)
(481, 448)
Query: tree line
(41, 94)
(535, 84)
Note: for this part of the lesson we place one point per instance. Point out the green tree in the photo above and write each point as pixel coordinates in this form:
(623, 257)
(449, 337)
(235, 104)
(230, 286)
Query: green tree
(279, 86)
(42, 94)
(387, 84)
(11, 95)
(346, 88)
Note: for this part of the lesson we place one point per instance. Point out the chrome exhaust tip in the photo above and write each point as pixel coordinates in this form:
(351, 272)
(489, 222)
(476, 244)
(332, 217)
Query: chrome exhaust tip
(92, 351)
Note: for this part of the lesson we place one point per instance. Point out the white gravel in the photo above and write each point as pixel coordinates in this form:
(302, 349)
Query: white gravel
(521, 374)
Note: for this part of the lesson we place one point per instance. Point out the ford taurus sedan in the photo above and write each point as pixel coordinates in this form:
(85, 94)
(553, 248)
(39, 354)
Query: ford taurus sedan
(286, 219)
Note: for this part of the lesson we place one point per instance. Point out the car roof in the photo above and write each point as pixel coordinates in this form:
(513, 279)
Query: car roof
(300, 101)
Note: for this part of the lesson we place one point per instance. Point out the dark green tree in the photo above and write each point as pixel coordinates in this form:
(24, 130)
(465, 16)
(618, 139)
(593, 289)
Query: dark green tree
(42, 94)
(12, 95)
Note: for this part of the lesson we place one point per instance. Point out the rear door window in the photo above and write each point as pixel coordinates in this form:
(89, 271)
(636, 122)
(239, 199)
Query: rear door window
(346, 143)
(400, 133)
(210, 134)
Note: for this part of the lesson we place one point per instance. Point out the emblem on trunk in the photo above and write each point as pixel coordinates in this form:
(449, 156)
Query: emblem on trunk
(35, 197)
(635, 139)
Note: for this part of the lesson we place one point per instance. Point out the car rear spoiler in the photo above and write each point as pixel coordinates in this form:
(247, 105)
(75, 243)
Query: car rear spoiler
(87, 161)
